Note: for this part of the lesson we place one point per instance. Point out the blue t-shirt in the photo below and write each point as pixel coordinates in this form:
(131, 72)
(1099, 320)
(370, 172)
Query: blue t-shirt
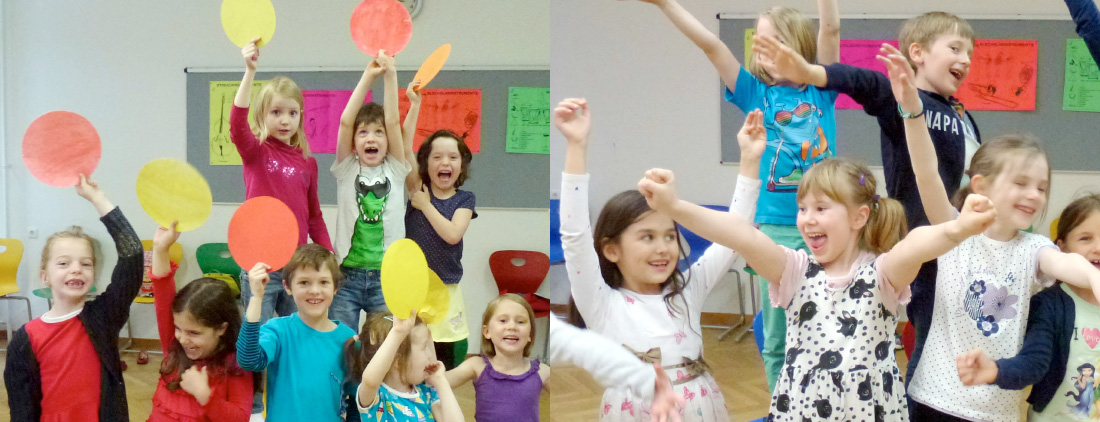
(443, 258)
(395, 406)
(305, 367)
(801, 126)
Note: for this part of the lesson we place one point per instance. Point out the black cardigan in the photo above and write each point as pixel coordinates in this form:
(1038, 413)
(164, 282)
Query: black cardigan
(102, 318)
(1042, 359)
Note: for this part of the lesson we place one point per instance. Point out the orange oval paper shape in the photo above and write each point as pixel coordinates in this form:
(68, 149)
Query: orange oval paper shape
(59, 146)
(263, 230)
(432, 65)
(381, 25)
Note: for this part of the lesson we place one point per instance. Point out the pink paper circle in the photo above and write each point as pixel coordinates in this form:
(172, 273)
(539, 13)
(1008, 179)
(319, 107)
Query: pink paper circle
(381, 25)
(59, 146)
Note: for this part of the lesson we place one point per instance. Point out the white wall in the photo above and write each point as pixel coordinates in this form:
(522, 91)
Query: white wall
(120, 64)
(655, 97)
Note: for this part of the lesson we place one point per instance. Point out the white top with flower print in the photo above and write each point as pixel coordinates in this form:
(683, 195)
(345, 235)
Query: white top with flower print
(983, 290)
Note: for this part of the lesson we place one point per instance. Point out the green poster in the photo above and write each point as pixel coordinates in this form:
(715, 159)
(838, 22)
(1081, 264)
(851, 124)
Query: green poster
(1082, 91)
(222, 150)
(528, 129)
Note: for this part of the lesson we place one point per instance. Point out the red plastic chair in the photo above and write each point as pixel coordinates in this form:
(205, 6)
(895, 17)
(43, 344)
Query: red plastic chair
(909, 339)
(522, 272)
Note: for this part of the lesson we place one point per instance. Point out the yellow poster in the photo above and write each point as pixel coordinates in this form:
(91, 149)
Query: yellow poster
(749, 33)
(222, 150)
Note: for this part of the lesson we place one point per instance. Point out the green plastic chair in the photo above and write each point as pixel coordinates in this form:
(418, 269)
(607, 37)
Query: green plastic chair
(216, 262)
(47, 293)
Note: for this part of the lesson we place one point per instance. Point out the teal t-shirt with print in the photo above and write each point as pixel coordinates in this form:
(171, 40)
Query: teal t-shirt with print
(396, 406)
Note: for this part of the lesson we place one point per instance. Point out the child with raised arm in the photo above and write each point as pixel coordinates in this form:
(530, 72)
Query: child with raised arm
(624, 278)
(370, 169)
(984, 284)
(302, 352)
(64, 365)
(199, 378)
(799, 121)
(938, 46)
(843, 298)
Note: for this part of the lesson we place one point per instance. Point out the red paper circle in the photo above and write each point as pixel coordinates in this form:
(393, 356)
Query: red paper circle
(263, 230)
(381, 25)
(59, 146)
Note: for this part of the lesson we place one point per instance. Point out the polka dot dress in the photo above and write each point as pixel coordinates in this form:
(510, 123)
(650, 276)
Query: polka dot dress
(839, 362)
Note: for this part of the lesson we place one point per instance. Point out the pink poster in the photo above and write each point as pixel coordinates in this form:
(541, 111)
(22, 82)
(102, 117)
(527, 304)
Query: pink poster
(860, 53)
(322, 117)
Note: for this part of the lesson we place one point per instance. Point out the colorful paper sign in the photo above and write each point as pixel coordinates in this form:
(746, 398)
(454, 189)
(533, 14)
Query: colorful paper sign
(438, 301)
(222, 150)
(404, 277)
(264, 230)
(322, 117)
(172, 190)
(59, 146)
(1082, 88)
(749, 33)
(457, 110)
(244, 20)
(860, 53)
(1002, 76)
(381, 25)
(432, 65)
(528, 129)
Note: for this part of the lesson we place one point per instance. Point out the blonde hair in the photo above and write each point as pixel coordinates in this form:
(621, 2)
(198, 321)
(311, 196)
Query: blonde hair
(853, 185)
(285, 87)
(796, 31)
(991, 159)
(487, 347)
(923, 30)
(73, 232)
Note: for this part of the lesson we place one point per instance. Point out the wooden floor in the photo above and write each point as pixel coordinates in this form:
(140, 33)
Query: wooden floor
(571, 395)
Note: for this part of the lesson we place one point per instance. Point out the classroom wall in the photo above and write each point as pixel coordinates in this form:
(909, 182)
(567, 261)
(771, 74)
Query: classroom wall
(120, 64)
(655, 97)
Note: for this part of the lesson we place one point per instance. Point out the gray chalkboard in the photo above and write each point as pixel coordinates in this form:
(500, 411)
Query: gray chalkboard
(499, 179)
(1066, 134)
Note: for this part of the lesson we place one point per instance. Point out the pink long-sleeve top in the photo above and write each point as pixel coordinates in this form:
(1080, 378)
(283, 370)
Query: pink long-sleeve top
(273, 168)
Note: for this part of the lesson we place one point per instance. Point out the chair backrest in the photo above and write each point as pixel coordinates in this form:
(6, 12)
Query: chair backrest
(519, 272)
(9, 265)
(696, 244)
(556, 253)
(175, 252)
(215, 258)
(758, 331)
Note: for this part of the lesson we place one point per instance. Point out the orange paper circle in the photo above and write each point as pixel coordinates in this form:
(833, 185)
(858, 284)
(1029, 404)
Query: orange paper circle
(432, 65)
(381, 25)
(263, 230)
(59, 146)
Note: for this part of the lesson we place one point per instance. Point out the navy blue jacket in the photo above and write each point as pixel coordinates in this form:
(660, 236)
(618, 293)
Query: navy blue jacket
(1042, 360)
(1087, 18)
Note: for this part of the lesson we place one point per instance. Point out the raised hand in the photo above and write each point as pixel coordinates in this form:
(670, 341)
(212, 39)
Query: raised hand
(251, 54)
(976, 216)
(387, 62)
(780, 61)
(658, 189)
(573, 120)
(403, 327)
(375, 69)
(753, 138)
(258, 278)
(901, 78)
(165, 237)
(413, 92)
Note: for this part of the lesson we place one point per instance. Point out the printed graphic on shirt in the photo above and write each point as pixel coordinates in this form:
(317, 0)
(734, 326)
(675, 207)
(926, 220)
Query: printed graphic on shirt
(799, 142)
(367, 242)
(989, 305)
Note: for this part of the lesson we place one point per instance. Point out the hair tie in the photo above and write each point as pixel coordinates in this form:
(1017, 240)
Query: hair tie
(874, 201)
(862, 180)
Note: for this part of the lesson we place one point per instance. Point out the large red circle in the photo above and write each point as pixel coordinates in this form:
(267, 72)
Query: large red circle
(381, 25)
(263, 230)
(59, 146)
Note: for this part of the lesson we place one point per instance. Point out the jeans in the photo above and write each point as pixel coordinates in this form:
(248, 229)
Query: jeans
(362, 290)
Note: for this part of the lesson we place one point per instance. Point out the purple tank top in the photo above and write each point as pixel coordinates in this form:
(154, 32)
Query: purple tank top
(503, 397)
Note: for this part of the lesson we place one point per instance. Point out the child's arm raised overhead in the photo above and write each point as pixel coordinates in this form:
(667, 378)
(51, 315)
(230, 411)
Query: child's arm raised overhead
(164, 284)
(114, 304)
(446, 409)
(1087, 17)
(240, 133)
(450, 230)
(925, 243)
(345, 135)
(784, 63)
(382, 361)
(408, 132)
(574, 122)
(717, 51)
(828, 32)
(396, 147)
(250, 355)
(251, 54)
(922, 152)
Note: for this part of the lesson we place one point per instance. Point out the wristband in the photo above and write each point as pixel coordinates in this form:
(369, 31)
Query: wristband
(905, 115)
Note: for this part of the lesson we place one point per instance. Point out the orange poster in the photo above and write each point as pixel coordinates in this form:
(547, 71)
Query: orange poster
(1002, 76)
(457, 110)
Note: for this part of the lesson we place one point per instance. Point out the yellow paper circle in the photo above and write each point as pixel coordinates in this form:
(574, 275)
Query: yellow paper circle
(244, 20)
(404, 277)
(172, 190)
(438, 301)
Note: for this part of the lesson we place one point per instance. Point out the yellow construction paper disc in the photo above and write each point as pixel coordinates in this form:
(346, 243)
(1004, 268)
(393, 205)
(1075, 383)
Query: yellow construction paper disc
(172, 190)
(438, 301)
(404, 277)
(244, 20)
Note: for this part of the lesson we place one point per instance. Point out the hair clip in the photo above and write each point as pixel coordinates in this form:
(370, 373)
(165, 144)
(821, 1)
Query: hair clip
(861, 179)
(388, 318)
(874, 201)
